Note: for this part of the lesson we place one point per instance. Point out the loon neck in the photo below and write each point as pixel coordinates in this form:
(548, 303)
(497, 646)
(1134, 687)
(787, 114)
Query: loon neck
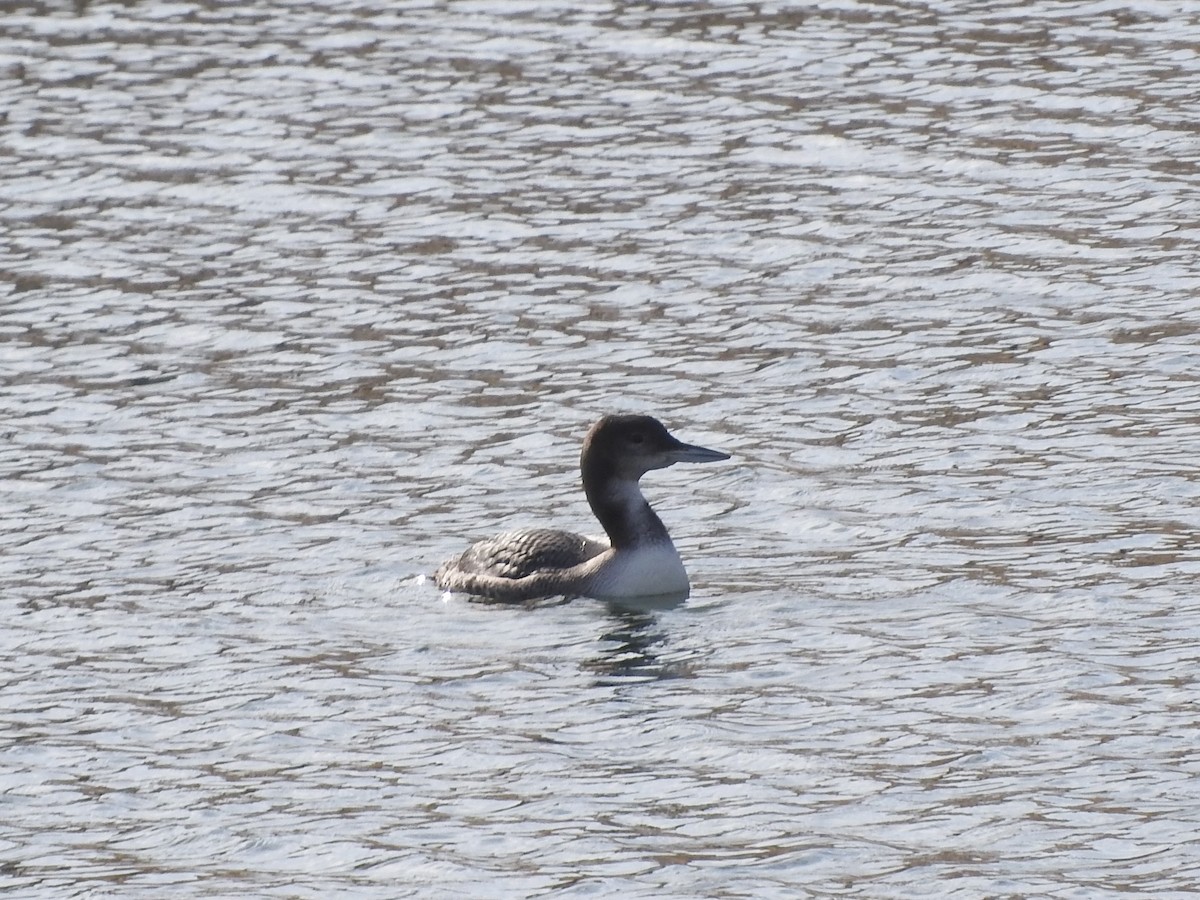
(617, 501)
(626, 516)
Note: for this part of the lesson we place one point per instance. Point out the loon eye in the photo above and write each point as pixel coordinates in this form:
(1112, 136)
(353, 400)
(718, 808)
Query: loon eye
(637, 438)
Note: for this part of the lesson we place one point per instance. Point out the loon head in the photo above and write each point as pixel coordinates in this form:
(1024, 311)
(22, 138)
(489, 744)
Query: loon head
(625, 448)
(617, 452)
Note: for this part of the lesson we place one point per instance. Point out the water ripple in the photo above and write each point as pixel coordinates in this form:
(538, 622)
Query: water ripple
(294, 301)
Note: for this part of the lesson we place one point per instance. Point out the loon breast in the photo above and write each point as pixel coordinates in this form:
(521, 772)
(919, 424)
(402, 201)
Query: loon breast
(651, 571)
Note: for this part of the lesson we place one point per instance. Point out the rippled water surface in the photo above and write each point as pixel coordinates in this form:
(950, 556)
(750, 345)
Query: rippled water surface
(296, 299)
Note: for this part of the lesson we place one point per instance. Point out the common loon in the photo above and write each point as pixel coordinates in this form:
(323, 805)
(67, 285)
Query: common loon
(641, 560)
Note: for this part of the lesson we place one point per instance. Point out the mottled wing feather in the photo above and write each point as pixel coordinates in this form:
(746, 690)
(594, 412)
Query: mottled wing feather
(517, 554)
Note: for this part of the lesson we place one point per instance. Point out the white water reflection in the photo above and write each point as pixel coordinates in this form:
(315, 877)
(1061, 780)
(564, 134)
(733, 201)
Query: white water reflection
(296, 301)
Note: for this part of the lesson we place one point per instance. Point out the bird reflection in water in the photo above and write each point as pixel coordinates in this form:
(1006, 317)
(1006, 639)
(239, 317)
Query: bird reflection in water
(632, 649)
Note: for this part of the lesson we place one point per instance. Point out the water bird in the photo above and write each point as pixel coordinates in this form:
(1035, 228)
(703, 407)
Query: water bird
(639, 560)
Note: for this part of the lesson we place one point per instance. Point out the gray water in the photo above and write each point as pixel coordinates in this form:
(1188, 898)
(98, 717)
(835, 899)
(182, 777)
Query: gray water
(296, 299)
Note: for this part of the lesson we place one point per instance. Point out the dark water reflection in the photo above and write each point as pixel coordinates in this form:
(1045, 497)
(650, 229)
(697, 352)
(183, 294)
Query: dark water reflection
(296, 300)
(634, 648)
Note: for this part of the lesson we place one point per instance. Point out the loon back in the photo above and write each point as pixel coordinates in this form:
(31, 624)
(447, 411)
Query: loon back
(518, 554)
(522, 565)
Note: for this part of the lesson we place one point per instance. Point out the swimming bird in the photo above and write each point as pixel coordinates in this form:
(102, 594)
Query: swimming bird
(638, 561)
